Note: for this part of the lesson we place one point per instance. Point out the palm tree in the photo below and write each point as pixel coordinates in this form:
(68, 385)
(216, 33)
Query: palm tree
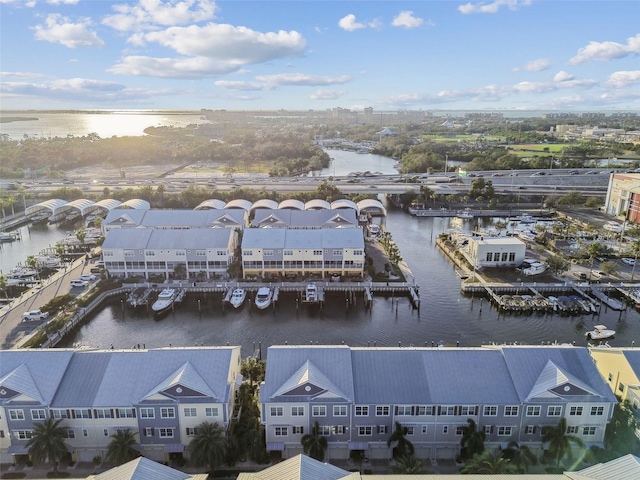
(472, 441)
(120, 449)
(408, 465)
(398, 438)
(4, 284)
(594, 250)
(314, 444)
(207, 447)
(520, 455)
(47, 443)
(559, 441)
(489, 463)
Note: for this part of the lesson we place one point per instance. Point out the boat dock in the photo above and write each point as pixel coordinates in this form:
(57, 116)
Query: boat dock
(140, 296)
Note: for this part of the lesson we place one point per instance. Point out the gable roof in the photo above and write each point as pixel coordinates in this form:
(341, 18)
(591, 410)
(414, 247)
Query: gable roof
(144, 469)
(19, 382)
(186, 377)
(554, 382)
(309, 381)
(299, 467)
(623, 468)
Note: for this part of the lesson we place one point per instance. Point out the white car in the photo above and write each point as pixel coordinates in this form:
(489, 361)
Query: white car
(87, 277)
(628, 261)
(34, 315)
(79, 283)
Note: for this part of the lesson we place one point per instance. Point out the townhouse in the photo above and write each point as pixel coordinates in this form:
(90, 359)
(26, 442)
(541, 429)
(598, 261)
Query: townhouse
(174, 219)
(358, 394)
(160, 394)
(305, 219)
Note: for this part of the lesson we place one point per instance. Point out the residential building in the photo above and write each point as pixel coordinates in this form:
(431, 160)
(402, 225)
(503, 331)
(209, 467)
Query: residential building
(160, 394)
(358, 394)
(274, 252)
(496, 251)
(623, 196)
(305, 219)
(174, 219)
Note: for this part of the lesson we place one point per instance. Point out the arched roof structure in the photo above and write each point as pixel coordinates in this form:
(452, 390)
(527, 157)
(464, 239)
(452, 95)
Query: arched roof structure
(291, 204)
(136, 204)
(239, 203)
(80, 206)
(344, 203)
(372, 206)
(211, 204)
(317, 204)
(264, 203)
(104, 206)
(53, 206)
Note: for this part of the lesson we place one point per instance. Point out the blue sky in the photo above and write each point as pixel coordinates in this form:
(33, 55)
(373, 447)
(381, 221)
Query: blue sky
(299, 55)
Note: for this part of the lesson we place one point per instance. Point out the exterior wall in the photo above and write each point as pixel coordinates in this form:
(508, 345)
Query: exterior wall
(615, 370)
(510, 254)
(620, 197)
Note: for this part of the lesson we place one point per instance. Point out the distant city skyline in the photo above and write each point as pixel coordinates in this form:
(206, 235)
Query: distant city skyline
(316, 55)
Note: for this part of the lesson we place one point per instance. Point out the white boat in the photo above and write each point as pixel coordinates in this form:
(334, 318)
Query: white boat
(600, 332)
(612, 226)
(535, 268)
(263, 298)
(7, 237)
(311, 293)
(164, 301)
(373, 229)
(465, 214)
(44, 261)
(526, 218)
(237, 297)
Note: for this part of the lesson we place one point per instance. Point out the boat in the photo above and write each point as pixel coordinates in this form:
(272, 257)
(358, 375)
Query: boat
(263, 297)
(139, 296)
(311, 293)
(7, 237)
(165, 300)
(600, 332)
(237, 297)
(373, 229)
(612, 226)
(535, 268)
(45, 261)
(607, 300)
(465, 214)
(526, 218)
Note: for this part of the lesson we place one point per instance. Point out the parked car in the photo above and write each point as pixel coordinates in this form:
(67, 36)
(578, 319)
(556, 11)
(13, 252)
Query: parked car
(95, 270)
(79, 283)
(34, 315)
(628, 261)
(87, 277)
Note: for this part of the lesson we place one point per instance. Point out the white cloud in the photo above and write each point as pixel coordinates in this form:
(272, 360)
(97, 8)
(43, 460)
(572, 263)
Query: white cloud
(562, 76)
(62, 2)
(20, 75)
(27, 3)
(624, 79)
(604, 51)
(270, 82)
(494, 7)
(59, 29)
(406, 19)
(184, 67)
(350, 24)
(242, 85)
(151, 14)
(534, 65)
(324, 94)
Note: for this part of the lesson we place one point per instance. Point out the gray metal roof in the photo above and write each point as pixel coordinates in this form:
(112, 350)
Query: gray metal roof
(300, 239)
(141, 238)
(133, 238)
(623, 468)
(175, 219)
(306, 218)
(299, 467)
(633, 357)
(144, 469)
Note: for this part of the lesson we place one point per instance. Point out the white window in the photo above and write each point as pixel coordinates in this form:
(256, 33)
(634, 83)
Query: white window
(448, 410)
(382, 429)
(297, 430)
(319, 410)
(148, 432)
(459, 431)
(69, 433)
(490, 410)
(511, 411)
(403, 410)
(222, 253)
(445, 429)
(81, 413)
(191, 431)
(339, 410)
(588, 430)
(411, 430)
(38, 414)
(150, 253)
(505, 431)
(317, 252)
(533, 410)
(297, 411)
(530, 429)
(276, 411)
(147, 413)
(129, 253)
(325, 430)
(337, 253)
(362, 410)
(365, 430)
(572, 429)
(597, 410)
(268, 253)
(190, 412)
(103, 413)
(424, 429)
(165, 432)
(211, 412)
(180, 253)
(467, 410)
(15, 414)
(23, 434)
(167, 412)
(201, 253)
(358, 252)
(125, 413)
(59, 413)
(488, 429)
(288, 253)
(575, 411)
(554, 411)
(280, 431)
(382, 411)
(339, 430)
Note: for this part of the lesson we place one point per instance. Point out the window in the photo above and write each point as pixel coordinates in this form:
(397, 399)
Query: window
(148, 432)
(621, 387)
(147, 413)
(575, 411)
(16, 414)
(505, 255)
(403, 410)
(424, 429)
(211, 412)
(382, 429)
(448, 410)
(512, 256)
(339, 410)
(325, 430)
(511, 411)
(297, 411)
(572, 429)
(467, 410)
(425, 410)
(38, 414)
(459, 431)
(382, 411)
(490, 411)
(69, 433)
(24, 434)
(125, 413)
(288, 253)
(319, 410)
(505, 431)
(167, 412)
(489, 256)
(588, 430)
(358, 252)
(165, 432)
(317, 252)
(337, 253)
(191, 431)
(597, 410)
(281, 431)
(365, 430)
(533, 411)
(339, 430)
(276, 411)
(610, 376)
(81, 413)
(190, 412)
(554, 411)
(445, 429)
(59, 413)
(362, 410)
(201, 253)
(488, 429)
(268, 253)
(103, 413)
(530, 429)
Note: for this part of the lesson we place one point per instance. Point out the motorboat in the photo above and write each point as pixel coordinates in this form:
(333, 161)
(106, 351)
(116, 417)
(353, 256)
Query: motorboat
(45, 261)
(373, 229)
(311, 293)
(237, 297)
(600, 332)
(465, 214)
(165, 300)
(535, 268)
(263, 297)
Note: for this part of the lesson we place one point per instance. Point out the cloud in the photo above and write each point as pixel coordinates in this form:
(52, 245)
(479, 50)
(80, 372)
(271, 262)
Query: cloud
(350, 24)
(20, 3)
(183, 67)
(562, 76)
(62, 2)
(324, 94)
(270, 82)
(151, 14)
(405, 19)
(242, 85)
(470, 8)
(20, 75)
(604, 51)
(59, 29)
(624, 79)
(534, 65)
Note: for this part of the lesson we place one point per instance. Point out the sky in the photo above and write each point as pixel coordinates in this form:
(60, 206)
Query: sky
(551, 55)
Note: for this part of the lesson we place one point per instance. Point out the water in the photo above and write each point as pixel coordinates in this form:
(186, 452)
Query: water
(344, 162)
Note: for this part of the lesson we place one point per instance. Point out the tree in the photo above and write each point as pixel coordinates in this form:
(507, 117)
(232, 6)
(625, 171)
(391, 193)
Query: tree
(520, 455)
(81, 234)
(47, 443)
(314, 444)
(594, 250)
(253, 369)
(472, 441)
(558, 264)
(398, 441)
(4, 284)
(120, 449)
(620, 437)
(207, 449)
(489, 463)
(408, 465)
(560, 441)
